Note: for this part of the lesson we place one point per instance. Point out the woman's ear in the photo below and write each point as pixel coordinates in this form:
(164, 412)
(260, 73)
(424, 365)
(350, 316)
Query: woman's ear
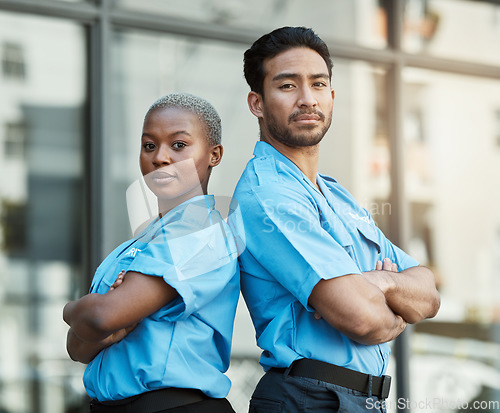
(216, 152)
(254, 101)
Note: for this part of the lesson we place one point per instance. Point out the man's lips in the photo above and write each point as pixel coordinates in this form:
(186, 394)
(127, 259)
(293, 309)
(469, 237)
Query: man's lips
(306, 118)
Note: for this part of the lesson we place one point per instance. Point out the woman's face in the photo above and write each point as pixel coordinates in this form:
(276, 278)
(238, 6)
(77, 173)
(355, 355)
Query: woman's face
(176, 158)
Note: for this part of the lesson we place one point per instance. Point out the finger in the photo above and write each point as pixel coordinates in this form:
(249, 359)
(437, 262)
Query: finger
(387, 266)
(119, 278)
(378, 266)
(395, 267)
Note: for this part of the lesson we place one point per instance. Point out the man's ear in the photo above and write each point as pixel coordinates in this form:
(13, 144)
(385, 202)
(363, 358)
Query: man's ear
(255, 104)
(216, 152)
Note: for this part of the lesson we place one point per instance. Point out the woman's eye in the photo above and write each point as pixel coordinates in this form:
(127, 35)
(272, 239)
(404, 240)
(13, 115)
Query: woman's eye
(148, 146)
(178, 145)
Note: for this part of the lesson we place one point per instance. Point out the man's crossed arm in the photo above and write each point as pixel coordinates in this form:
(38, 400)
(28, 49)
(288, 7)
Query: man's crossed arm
(410, 293)
(374, 308)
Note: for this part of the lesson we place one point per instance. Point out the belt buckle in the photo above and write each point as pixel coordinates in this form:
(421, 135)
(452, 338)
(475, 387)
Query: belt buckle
(386, 386)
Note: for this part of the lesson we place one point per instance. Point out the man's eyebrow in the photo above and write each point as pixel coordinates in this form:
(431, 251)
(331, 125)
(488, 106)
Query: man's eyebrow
(287, 75)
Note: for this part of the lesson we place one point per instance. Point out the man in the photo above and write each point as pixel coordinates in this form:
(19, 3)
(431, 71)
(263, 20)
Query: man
(320, 280)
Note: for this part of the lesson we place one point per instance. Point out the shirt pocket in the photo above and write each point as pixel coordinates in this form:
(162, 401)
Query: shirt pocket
(369, 236)
(331, 223)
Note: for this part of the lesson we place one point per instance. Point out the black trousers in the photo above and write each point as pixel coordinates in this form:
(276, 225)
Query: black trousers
(204, 406)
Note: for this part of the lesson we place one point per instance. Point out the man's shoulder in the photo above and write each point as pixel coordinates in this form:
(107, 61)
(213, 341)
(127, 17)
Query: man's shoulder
(265, 172)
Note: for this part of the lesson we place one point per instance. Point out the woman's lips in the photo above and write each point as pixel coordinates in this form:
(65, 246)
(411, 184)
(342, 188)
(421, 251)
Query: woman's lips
(161, 177)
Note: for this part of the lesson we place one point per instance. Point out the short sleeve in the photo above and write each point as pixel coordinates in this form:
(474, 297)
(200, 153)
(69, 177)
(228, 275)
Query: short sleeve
(198, 264)
(284, 234)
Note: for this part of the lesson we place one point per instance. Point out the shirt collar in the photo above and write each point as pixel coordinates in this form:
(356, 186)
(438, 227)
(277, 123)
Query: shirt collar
(192, 207)
(265, 149)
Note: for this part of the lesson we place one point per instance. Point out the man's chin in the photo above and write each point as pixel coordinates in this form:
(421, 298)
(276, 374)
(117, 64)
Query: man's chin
(303, 141)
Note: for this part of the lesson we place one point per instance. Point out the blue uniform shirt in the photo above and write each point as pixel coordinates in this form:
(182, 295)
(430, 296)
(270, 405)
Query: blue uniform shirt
(296, 236)
(187, 343)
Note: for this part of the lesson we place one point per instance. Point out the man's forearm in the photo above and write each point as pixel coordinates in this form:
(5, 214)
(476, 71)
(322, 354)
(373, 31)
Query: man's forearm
(410, 293)
(357, 308)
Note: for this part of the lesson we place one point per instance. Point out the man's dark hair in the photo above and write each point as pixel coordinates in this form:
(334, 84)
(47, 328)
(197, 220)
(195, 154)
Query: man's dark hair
(278, 41)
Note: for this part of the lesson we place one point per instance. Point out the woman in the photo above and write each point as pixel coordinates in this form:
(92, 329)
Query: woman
(157, 325)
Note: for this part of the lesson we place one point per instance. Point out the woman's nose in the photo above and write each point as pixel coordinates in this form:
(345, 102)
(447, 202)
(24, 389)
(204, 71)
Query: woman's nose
(162, 156)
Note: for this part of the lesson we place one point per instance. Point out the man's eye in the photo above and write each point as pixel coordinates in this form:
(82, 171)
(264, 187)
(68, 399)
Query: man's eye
(148, 146)
(178, 145)
(320, 84)
(286, 86)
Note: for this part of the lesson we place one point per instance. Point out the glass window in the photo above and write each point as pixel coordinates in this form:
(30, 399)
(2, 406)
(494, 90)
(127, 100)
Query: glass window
(497, 127)
(453, 198)
(458, 29)
(358, 21)
(355, 151)
(15, 140)
(41, 208)
(13, 60)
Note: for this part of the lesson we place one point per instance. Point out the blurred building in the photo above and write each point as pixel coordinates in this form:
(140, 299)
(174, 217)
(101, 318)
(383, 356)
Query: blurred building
(415, 137)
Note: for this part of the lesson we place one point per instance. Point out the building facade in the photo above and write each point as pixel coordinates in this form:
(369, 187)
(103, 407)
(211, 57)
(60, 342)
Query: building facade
(415, 137)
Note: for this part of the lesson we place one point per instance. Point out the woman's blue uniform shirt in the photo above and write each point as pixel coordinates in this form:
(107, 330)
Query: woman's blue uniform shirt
(187, 343)
(295, 237)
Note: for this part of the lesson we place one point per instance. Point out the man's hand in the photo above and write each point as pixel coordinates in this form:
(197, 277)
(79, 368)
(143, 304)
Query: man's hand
(376, 277)
(386, 265)
(357, 308)
(379, 276)
(410, 293)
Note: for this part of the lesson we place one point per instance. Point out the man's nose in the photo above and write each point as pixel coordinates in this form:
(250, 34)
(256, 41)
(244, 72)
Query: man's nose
(307, 97)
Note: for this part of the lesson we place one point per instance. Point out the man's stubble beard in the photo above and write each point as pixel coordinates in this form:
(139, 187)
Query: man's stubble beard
(284, 134)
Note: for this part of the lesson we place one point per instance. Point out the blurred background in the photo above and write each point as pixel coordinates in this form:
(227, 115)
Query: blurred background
(415, 137)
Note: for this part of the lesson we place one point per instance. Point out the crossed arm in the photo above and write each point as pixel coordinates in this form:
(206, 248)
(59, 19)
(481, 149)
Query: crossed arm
(98, 320)
(374, 308)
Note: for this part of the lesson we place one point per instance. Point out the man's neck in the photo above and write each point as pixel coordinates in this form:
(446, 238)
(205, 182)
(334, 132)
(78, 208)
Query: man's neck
(304, 157)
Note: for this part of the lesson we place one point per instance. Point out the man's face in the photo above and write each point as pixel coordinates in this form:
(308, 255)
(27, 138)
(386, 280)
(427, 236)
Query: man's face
(175, 154)
(298, 100)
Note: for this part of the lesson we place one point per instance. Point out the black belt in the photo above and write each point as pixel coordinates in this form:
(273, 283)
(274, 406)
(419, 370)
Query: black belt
(151, 401)
(341, 376)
